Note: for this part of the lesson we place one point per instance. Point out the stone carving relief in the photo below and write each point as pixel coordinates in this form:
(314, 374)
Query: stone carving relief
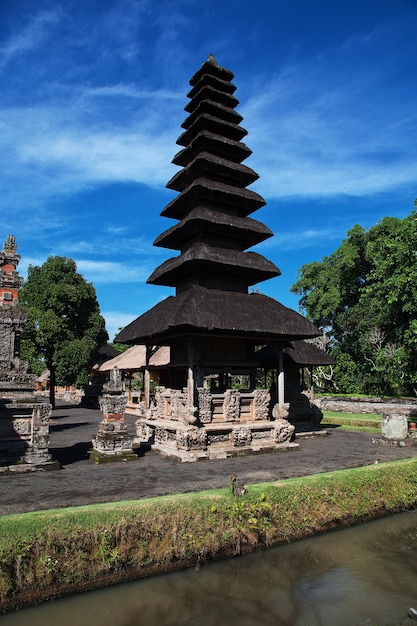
(283, 430)
(112, 404)
(205, 409)
(143, 432)
(159, 404)
(261, 402)
(172, 404)
(115, 383)
(261, 434)
(281, 411)
(176, 405)
(161, 435)
(241, 436)
(22, 427)
(189, 414)
(218, 438)
(231, 405)
(191, 439)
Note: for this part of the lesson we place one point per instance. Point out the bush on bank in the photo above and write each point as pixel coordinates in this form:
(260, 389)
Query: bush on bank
(49, 553)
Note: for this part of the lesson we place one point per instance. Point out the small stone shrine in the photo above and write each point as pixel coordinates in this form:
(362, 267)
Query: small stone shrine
(214, 325)
(24, 422)
(113, 442)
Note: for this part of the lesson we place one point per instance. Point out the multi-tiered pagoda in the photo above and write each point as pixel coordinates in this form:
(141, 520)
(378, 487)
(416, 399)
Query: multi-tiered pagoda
(213, 325)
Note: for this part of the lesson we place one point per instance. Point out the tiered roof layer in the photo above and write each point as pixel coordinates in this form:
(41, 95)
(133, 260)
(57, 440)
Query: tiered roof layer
(213, 203)
(213, 272)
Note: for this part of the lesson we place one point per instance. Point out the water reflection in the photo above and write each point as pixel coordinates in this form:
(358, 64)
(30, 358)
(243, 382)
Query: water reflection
(363, 575)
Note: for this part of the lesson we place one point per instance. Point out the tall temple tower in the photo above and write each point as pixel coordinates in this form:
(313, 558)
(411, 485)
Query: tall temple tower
(213, 324)
(12, 318)
(24, 425)
(213, 205)
(10, 281)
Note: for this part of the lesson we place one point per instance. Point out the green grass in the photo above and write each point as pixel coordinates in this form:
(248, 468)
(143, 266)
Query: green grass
(50, 552)
(367, 422)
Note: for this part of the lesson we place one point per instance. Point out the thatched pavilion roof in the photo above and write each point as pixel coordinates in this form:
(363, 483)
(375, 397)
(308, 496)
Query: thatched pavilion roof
(211, 311)
(135, 359)
(297, 352)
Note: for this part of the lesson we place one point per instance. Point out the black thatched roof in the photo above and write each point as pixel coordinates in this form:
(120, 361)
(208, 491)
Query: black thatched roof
(206, 164)
(212, 90)
(213, 270)
(211, 68)
(209, 259)
(222, 146)
(203, 220)
(215, 312)
(243, 201)
(106, 352)
(297, 352)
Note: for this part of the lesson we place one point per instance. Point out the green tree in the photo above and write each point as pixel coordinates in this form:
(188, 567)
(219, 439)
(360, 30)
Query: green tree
(364, 297)
(64, 328)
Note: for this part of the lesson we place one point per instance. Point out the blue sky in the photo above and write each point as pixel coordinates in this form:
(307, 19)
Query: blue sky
(92, 99)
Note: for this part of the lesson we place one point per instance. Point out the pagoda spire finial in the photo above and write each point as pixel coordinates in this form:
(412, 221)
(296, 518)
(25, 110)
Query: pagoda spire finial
(211, 59)
(10, 243)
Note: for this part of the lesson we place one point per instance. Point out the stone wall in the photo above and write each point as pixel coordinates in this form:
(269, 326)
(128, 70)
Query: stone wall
(368, 405)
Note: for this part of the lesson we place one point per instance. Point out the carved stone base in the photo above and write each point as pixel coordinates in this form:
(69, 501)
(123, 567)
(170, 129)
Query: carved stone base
(24, 436)
(100, 458)
(112, 443)
(214, 441)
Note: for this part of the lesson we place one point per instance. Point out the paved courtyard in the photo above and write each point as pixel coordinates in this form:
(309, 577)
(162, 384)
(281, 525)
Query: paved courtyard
(80, 481)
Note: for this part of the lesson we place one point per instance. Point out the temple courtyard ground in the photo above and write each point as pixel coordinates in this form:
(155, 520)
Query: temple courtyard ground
(81, 481)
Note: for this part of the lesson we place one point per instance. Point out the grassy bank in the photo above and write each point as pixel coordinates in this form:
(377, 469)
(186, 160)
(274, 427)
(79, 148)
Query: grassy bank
(366, 422)
(47, 553)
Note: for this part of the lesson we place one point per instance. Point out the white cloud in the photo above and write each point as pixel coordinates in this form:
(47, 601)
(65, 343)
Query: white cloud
(298, 240)
(30, 37)
(319, 127)
(116, 320)
(112, 272)
(98, 271)
(316, 127)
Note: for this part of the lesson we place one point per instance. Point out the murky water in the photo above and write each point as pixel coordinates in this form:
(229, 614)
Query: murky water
(362, 575)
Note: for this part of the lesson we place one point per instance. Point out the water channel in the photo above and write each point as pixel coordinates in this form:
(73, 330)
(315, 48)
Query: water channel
(364, 575)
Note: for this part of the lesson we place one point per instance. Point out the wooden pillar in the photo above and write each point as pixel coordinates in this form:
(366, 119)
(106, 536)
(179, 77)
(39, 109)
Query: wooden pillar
(281, 380)
(199, 378)
(190, 375)
(130, 386)
(312, 394)
(147, 378)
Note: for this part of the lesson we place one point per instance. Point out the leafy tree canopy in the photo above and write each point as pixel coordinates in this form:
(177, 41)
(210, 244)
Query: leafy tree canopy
(364, 296)
(64, 328)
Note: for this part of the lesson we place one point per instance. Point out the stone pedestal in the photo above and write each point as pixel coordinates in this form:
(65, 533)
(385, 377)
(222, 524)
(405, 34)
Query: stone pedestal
(113, 443)
(24, 426)
(394, 427)
(226, 424)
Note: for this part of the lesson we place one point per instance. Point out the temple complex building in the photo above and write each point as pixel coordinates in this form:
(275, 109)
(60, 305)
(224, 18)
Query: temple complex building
(12, 318)
(216, 321)
(24, 422)
(10, 281)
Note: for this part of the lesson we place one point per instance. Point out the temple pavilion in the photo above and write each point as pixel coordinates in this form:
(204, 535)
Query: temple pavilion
(216, 321)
